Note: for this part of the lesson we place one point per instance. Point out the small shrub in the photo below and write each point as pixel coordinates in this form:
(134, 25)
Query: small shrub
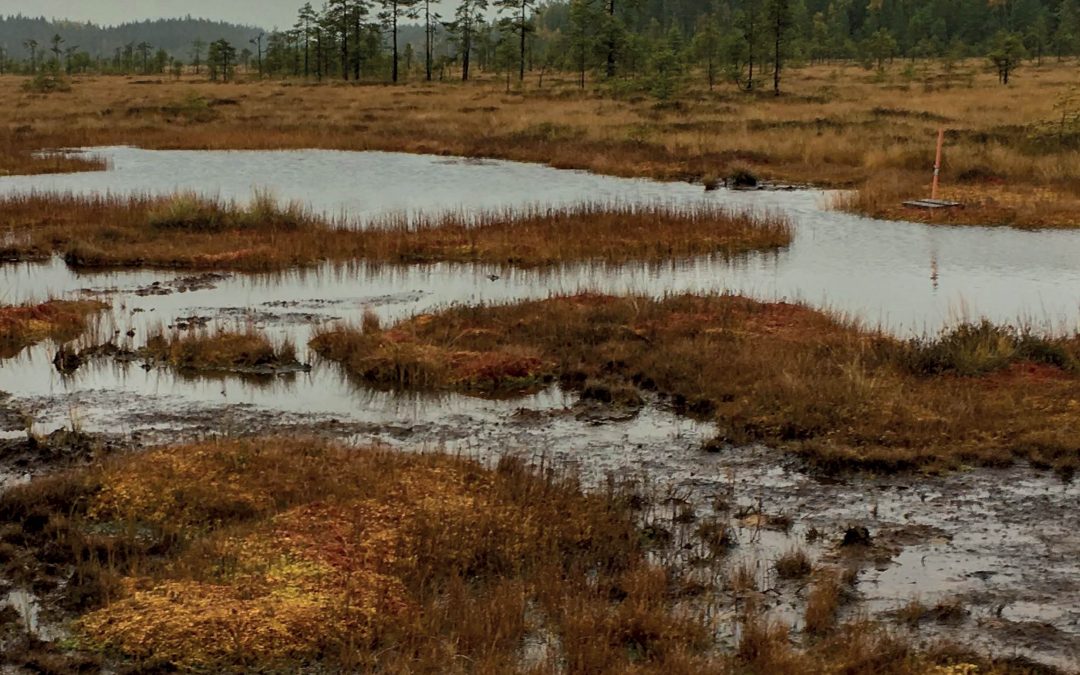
(742, 177)
(743, 578)
(717, 536)
(192, 108)
(47, 83)
(186, 212)
(977, 349)
(794, 564)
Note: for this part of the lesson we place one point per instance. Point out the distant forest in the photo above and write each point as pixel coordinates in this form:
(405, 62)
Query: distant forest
(650, 42)
(175, 36)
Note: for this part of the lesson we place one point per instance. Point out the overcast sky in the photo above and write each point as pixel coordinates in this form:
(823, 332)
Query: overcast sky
(265, 13)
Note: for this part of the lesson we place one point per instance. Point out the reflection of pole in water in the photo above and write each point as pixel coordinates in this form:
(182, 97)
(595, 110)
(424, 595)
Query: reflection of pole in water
(934, 269)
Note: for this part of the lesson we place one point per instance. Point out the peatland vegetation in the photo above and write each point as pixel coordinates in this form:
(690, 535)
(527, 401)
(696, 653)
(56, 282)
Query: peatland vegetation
(186, 232)
(775, 373)
(277, 554)
(221, 351)
(1010, 152)
(58, 320)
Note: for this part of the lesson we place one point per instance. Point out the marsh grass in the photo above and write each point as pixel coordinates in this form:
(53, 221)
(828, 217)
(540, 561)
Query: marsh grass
(184, 231)
(839, 125)
(1018, 205)
(221, 351)
(186, 212)
(840, 396)
(946, 610)
(58, 320)
(972, 349)
(794, 564)
(823, 604)
(21, 156)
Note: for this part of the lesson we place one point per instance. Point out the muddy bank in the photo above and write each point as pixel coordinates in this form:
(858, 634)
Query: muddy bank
(24, 454)
(978, 538)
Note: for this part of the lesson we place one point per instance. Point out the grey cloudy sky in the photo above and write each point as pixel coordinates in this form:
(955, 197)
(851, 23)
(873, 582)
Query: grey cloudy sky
(265, 13)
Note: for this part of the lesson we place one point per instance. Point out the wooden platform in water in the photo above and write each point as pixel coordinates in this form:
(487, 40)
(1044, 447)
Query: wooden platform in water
(932, 204)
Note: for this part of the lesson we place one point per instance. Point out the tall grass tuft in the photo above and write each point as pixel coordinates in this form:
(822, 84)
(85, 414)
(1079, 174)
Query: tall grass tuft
(973, 349)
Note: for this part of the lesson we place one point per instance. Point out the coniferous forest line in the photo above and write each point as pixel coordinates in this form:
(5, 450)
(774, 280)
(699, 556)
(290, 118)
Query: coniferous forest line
(745, 42)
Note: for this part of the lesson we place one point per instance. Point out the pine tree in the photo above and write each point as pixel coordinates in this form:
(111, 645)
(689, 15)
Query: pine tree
(520, 23)
(393, 12)
(581, 37)
(706, 46)
(467, 18)
(780, 22)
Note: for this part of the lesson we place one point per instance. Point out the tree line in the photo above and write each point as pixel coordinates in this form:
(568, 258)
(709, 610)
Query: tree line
(650, 43)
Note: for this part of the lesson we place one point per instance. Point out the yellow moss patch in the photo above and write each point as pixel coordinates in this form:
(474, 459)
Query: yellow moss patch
(286, 552)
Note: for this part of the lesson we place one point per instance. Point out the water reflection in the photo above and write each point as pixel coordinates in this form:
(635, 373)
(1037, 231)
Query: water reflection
(908, 277)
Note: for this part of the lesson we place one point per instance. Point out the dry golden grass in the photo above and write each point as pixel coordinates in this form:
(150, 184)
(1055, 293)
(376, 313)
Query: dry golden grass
(793, 564)
(24, 325)
(774, 373)
(836, 126)
(20, 156)
(823, 603)
(186, 232)
(1023, 206)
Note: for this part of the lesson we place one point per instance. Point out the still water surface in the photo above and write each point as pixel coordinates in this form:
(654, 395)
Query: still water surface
(907, 277)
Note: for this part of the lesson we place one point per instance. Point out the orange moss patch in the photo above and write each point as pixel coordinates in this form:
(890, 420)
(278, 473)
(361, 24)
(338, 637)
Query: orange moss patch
(286, 555)
(397, 358)
(292, 583)
(24, 325)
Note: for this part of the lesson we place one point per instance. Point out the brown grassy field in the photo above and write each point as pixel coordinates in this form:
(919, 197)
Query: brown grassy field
(779, 374)
(186, 232)
(272, 555)
(24, 325)
(836, 126)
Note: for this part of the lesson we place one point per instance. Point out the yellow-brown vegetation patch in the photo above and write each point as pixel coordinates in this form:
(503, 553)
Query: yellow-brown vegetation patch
(1021, 206)
(271, 553)
(186, 232)
(222, 351)
(765, 372)
(837, 125)
(289, 554)
(24, 325)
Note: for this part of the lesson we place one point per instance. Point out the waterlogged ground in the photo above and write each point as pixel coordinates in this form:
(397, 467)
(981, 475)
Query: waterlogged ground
(906, 276)
(1003, 545)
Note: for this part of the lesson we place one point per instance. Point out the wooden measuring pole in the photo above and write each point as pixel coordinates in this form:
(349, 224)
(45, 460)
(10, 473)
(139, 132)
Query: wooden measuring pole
(937, 163)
